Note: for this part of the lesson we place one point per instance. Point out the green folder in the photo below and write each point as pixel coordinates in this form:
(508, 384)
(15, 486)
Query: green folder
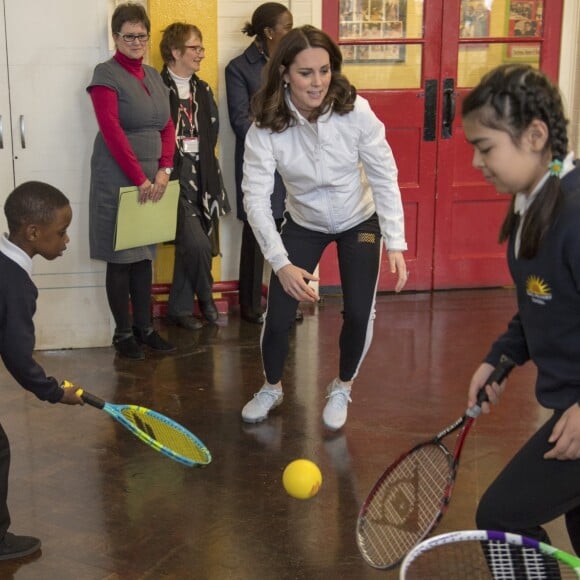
(143, 224)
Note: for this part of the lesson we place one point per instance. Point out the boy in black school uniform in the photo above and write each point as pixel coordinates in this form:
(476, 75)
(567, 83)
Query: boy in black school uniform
(38, 216)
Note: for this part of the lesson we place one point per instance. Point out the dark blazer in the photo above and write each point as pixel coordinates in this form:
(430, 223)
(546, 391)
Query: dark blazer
(243, 78)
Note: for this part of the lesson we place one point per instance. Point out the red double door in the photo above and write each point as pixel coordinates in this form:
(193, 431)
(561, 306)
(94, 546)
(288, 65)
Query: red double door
(432, 52)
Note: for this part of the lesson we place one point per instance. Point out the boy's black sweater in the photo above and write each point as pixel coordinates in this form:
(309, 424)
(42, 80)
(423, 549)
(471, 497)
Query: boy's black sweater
(18, 296)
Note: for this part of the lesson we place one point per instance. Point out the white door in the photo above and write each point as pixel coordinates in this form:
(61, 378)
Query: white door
(49, 129)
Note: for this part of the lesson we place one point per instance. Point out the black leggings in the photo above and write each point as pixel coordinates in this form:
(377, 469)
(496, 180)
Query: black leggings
(130, 282)
(531, 491)
(359, 256)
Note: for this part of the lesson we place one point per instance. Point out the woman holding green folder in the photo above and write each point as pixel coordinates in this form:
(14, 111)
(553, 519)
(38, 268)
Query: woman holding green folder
(134, 147)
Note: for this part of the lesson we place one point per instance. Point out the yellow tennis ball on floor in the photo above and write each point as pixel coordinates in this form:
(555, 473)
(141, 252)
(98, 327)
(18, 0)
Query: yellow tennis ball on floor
(302, 479)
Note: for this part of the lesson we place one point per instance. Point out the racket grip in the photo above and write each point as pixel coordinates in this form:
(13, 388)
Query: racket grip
(499, 373)
(91, 399)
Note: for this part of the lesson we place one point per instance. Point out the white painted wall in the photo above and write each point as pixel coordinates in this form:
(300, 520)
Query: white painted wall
(48, 128)
(569, 79)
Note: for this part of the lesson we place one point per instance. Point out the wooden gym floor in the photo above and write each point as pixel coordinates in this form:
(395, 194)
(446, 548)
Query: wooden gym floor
(108, 507)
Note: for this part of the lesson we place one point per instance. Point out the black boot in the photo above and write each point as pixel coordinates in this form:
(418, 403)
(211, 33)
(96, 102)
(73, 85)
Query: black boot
(209, 310)
(127, 347)
(151, 338)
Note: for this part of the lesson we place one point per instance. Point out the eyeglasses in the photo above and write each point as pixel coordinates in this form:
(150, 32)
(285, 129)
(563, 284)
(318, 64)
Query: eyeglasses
(130, 38)
(197, 48)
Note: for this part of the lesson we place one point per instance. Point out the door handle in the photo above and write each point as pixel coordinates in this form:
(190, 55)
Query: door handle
(448, 108)
(430, 115)
(22, 132)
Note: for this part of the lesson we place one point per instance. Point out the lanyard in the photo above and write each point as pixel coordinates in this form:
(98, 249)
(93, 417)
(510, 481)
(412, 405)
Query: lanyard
(190, 128)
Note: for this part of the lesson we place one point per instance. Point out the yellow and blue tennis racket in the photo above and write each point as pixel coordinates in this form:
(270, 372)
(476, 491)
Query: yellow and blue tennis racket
(155, 429)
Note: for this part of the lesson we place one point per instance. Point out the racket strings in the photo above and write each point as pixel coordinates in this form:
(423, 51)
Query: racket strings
(484, 560)
(507, 562)
(165, 433)
(405, 505)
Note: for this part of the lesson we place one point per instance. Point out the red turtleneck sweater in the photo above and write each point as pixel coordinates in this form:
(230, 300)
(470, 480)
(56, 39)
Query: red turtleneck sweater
(107, 113)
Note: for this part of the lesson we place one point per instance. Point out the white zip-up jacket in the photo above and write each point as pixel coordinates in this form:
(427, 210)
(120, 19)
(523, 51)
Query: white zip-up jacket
(322, 167)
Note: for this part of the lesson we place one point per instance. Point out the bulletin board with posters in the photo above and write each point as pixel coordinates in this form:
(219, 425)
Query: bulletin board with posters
(473, 19)
(525, 19)
(372, 20)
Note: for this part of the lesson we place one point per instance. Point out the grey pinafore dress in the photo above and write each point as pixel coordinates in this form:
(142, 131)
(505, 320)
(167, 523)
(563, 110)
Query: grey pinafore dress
(142, 118)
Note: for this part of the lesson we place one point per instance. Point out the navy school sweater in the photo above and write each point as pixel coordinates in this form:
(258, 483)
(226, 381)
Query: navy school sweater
(546, 328)
(18, 296)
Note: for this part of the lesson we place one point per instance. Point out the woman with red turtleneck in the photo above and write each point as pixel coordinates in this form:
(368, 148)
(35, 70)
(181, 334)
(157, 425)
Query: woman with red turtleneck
(134, 147)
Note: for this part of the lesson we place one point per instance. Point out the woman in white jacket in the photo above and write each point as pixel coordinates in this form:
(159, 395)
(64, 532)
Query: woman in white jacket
(310, 126)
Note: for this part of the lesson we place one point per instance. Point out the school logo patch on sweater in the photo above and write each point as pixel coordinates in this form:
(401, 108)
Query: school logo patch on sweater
(538, 290)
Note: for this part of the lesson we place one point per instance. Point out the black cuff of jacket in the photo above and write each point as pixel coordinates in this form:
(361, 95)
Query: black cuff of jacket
(55, 395)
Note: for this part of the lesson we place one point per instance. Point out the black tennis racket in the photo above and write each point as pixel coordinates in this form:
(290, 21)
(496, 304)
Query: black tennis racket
(480, 554)
(158, 431)
(411, 496)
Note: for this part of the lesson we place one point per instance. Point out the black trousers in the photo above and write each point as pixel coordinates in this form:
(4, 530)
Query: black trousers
(251, 271)
(130, 282)
(359, 257)
(4, 471)
(531, 491)
(192, 270)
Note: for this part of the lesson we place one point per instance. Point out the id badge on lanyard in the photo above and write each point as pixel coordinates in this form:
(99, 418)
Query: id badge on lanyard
(190, 145)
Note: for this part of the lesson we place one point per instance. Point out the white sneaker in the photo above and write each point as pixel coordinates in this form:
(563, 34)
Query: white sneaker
(258, 408)
(334, 414)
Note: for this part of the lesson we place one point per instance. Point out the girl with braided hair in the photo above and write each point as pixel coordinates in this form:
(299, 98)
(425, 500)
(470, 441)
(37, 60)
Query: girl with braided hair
(516, 123)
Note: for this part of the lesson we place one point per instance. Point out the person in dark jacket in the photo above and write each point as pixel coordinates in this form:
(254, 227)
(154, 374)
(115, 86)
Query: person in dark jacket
(202, 196)
(516, 123)
(38, 216)
(270, 23)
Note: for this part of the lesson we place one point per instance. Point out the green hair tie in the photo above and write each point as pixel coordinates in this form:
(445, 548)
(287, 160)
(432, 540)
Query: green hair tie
(555, 167)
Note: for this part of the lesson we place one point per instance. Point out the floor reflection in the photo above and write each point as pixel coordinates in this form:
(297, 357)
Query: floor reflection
(106, 506)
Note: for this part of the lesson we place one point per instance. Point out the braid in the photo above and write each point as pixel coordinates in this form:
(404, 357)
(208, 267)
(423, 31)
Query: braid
(509, 98)
(559, 135)
(545, 103)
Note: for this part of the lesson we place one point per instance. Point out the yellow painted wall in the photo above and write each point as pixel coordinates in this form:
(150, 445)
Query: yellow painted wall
(202, 13)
